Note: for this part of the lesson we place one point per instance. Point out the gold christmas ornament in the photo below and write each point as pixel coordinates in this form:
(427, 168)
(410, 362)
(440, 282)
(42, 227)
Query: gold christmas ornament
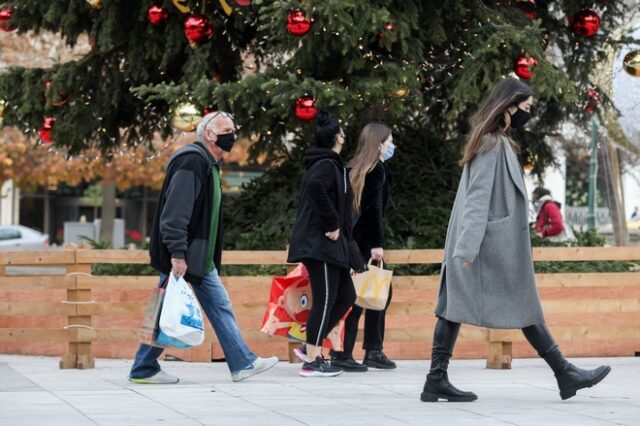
(401, 93)
(186, 117)
(96, 4)
(181, 6)
(631, 63)
(1, 111)
(225, 7)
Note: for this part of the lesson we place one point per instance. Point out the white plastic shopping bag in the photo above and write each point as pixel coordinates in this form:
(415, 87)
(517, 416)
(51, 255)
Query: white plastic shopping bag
(181, 323)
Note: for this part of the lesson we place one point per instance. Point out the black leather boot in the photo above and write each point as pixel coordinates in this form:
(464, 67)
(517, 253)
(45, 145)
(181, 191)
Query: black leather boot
(570, 378)
(349, 365)
(377, 359)
(437, 385)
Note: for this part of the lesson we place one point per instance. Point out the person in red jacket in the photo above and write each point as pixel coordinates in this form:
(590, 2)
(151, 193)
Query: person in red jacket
(549, 221)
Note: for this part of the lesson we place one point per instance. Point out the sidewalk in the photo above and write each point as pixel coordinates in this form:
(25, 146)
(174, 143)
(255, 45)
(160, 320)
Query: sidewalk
(33, 391)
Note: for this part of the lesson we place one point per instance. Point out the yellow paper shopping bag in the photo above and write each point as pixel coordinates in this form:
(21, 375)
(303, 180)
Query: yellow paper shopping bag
(372, 287)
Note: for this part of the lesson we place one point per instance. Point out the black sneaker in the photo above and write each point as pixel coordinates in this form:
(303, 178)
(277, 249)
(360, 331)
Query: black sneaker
(349, 365)
(377, 359)
(319, 368)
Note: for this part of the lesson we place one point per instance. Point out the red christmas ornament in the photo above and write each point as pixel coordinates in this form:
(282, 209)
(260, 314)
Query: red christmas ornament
(45, 131)
(208, 110)
(61, 95)
(387, 28)
(592, 93)
(523, 66)
(529, 8)
(306, 108)
(243, 2)
(593, 100)
(585, 23)
(5, 17)
(157, 15)
(198, 29)
(297, 23)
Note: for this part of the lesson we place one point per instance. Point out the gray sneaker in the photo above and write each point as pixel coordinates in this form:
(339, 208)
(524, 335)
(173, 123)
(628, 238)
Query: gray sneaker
(160, 378)
(258, 366)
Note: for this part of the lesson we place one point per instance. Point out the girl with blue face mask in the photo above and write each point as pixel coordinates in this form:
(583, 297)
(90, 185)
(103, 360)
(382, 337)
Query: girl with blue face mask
(387, 149)
(370, 180)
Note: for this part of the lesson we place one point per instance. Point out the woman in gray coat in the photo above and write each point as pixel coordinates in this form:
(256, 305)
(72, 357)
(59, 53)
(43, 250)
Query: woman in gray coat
(487, 276)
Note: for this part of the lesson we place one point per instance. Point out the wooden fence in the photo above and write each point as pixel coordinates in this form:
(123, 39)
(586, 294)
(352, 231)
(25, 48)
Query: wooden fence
(80, 316)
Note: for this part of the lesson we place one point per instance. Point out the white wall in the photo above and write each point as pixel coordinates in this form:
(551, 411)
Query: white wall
(9, 204)
(631, 188)
(554, 178)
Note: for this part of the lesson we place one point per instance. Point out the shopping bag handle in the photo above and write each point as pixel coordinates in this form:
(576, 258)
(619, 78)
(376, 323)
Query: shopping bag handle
(381, 262)
(164, 283)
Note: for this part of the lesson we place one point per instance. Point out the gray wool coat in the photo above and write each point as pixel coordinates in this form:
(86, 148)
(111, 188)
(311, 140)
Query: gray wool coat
(489, 228)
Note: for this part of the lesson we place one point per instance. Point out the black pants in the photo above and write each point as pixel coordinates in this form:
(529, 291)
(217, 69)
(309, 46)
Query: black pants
(373, 329)
(333, 295)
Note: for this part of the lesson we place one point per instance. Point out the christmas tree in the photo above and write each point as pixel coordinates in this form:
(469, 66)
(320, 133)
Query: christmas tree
(420, 66)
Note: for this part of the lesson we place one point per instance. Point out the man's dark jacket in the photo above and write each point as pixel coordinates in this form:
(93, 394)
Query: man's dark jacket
(182, 219)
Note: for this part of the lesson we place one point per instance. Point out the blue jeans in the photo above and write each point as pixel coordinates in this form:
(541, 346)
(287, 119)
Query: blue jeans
(214, 299)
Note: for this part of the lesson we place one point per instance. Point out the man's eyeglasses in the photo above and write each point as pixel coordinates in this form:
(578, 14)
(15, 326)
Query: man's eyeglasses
(216, 114)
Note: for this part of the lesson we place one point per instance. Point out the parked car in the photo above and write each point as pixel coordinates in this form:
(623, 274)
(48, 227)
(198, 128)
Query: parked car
(18, 237)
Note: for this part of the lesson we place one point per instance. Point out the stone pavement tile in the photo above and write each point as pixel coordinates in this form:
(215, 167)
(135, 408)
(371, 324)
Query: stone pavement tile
(606, 410)
(57, 380)
(33, 407)
(316, 410)
(122, 407)
(11, 380)
(209, 405)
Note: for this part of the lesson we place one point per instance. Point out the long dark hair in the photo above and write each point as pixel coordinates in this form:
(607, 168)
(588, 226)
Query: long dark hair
(490, 115)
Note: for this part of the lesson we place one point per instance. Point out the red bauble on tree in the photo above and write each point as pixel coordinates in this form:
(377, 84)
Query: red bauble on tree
(297, 23)
(593, 100)
(157, 15)
(62, 97)
(306, 108)
(586, 23)
(243, 2)
(198, 29)
(209, 110)
(387, 29)
(45, 131)
(529, 8)
(5, 17)
(523, 66)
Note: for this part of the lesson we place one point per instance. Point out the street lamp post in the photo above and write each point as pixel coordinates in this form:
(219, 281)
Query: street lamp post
(593, 175)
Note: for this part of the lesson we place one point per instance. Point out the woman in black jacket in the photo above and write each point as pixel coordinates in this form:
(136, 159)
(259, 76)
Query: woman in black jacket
(370, 180)
(320, 241)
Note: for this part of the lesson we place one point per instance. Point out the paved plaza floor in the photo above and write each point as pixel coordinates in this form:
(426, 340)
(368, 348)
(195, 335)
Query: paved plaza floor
(33, 391)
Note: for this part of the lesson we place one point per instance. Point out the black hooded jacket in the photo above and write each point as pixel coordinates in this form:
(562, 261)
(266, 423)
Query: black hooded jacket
(369, 228)
(324, 206)
(182, 219)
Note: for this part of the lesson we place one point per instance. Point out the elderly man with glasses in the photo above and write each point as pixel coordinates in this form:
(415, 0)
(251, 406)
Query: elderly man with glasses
(186, 239)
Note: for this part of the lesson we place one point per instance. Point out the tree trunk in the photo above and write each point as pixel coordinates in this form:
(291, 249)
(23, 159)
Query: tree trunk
(46, 222)
(108, 205)
(143, 214)
(616, 207)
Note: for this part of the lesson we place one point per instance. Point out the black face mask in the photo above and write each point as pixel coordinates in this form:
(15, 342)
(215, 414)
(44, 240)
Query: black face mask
(225, 142)
(519, 118)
